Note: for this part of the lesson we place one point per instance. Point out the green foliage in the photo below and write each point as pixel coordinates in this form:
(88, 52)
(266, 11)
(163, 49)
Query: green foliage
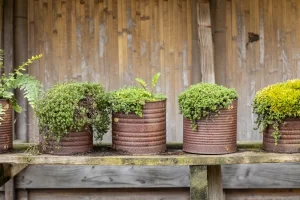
(18, 79)
(73, 107)
(275, 103)
(131, 99)
(204, 100)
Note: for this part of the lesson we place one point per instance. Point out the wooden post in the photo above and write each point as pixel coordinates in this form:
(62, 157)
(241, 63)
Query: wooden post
(214, 179)
(8, 35)
(205, 41)
(1, 24)
(20, 50)
(198, 182)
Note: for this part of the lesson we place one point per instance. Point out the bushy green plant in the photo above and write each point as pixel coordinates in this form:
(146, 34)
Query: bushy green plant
(204, 100)
(131, 99)
(73, 106)
(18, 79)
(275, 103)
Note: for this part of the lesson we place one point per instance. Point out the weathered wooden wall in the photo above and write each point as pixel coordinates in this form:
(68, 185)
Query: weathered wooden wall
(112, 42)
(249, 67)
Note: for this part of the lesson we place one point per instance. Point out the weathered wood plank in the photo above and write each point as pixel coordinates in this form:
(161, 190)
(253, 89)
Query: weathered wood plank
(205, 41)
(275, 194)
(108, 194)
(198, 183)
(214, 179)
(8, 7)
(9, 192)
(102, 177)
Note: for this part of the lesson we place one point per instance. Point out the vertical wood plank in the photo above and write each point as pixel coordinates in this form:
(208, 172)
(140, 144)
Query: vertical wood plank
(214, 179)
(23, 194)
(219, 27)
(198, 183)
(205, 41)
(1, 24)
(9, 190)
(8, 36)
(20, 49)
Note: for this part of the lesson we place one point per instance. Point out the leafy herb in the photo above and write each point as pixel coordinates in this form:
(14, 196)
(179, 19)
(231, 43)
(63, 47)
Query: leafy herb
(131, 99)
(73, 107)
(31, 87)
(275, 103)
(203, 100)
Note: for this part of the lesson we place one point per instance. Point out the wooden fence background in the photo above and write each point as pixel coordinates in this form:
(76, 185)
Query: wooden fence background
(113, 41)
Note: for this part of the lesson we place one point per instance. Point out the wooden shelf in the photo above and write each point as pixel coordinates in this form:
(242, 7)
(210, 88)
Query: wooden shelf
(104, 155)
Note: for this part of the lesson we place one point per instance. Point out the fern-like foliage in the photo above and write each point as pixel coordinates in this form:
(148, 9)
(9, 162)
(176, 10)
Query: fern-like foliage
(18, 79)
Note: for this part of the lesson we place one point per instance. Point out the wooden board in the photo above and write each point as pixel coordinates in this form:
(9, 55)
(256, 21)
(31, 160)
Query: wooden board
(102, 177)
(234, 176)
(263, 194)
(112, 42)
(107, 194)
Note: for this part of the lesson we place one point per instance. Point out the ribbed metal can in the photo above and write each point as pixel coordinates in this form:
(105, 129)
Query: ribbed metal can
(6, 136)
(72, 143)
(215, 135)
(141, 135)
(289, 141)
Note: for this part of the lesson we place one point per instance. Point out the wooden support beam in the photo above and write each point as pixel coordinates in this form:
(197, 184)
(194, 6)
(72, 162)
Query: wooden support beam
(8, 171)
(8, 6)
(20, 55)
(214, 179)
(198, 182)
(205, 41)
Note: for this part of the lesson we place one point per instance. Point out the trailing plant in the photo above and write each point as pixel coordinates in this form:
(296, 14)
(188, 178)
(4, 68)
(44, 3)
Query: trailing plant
(275, 103)
(131, 99)
(204, 100)
(17, 79)
(75, 107)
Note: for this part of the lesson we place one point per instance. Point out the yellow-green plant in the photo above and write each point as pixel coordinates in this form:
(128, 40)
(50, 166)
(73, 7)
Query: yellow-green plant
(131, 99)
(18, 79)
(75, 107)
(275, 103)
(204, 100)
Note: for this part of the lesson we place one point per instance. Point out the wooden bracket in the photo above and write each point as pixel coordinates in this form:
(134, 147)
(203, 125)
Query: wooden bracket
(8, 171)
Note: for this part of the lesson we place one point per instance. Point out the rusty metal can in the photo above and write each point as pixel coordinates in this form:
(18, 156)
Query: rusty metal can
(6, 136)
(141, 135)
(214, 135)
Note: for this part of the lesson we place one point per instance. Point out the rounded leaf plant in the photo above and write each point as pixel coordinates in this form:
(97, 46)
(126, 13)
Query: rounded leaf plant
(131, 99)
(75, 107)
(276, 102)
(204, 100)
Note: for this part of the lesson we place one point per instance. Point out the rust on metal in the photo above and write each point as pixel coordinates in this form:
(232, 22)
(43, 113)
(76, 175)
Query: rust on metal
(215, 135)
(6, 140)
(289, 141)
(141, 135)
(72, 143)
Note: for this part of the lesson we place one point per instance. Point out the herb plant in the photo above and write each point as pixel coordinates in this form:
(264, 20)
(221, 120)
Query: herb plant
(204, 100)
(75, 107)
(275, 103)
(131, 99)
(18, 79)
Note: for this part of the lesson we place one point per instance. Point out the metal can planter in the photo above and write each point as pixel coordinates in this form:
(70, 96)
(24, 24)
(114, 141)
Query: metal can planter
(6, 138)
(72, 143)
(141, 135)
(215, 135)
(289, 141)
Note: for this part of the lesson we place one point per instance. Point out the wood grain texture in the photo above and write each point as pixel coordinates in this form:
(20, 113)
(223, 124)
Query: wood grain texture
(205, 41)
(102, 177)
(215, 185)
(275, 194)
(8, 61)
(107, 194)
(112, 42)
(9, 190)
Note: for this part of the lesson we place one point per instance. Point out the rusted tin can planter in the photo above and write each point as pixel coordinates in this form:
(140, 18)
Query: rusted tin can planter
(6, 127)
(141, 135)
(72, 143)
(289, 141)
(213, 136)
